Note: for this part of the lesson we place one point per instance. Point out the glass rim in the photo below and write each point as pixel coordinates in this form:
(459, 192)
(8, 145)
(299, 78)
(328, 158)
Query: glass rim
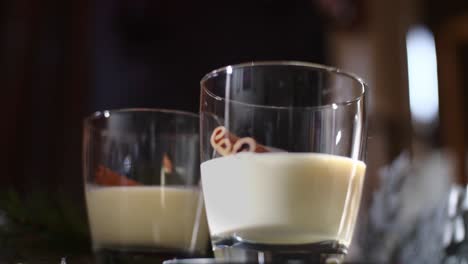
(105, 114)
(212, 74)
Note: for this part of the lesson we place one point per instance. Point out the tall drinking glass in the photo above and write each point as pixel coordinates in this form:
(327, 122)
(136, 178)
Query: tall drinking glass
(141, 172)
(282, 147)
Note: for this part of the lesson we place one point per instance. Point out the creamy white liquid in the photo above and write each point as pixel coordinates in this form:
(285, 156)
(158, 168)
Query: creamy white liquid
(283, 198)
(147, 217)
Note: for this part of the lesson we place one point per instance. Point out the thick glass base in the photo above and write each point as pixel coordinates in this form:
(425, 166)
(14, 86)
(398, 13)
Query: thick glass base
(139, 256)
(234, 250)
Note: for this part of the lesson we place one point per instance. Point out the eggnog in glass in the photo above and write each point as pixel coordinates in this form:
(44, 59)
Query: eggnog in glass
(282, 147)
(142, 185)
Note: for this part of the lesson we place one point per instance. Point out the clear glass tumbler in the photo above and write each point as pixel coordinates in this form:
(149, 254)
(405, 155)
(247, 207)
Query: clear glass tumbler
(141, 172)
(282, 148)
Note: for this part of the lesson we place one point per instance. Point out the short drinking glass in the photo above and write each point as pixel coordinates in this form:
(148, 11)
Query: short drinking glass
(141, 172)
(282, 148)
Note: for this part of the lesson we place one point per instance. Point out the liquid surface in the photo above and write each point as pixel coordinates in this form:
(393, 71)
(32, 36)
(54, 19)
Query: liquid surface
(282, 198)
(146, 217)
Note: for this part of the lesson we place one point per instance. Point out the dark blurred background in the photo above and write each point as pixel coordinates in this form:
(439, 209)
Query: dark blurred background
(62, 60)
